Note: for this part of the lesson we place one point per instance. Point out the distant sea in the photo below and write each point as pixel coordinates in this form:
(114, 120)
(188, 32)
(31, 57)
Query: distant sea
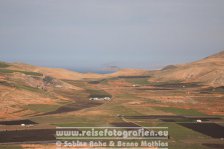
(93, 71)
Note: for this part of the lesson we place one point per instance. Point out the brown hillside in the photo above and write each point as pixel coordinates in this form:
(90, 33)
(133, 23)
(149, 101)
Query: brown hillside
(209, 71)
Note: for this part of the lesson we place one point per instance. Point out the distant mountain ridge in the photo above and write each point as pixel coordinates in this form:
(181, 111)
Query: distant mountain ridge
(209, 71)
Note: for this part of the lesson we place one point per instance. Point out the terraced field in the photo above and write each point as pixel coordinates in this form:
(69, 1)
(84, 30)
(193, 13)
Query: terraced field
(136, 102)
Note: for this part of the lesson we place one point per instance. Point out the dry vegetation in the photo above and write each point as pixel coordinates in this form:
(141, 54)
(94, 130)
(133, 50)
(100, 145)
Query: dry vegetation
(58, 97)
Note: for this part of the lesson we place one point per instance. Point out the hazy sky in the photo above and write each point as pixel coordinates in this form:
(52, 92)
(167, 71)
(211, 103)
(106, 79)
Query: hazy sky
(93, 34)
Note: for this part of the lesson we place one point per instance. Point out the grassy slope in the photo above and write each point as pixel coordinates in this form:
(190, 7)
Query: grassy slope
(42, 107)
(179, 111)
(24, 72)
(4, 65)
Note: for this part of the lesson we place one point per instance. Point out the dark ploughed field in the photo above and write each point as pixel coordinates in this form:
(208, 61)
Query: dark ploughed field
(154, 117)
(209, 129)
(27, 135)
(17, 122)
(124, 124)
(74, 107)
(215, 146)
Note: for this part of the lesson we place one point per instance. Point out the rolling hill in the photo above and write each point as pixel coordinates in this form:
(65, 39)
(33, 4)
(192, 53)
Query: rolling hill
(22, 85)
(208, 71)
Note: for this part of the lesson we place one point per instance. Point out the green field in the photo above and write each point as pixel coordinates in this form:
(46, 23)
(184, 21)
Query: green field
(18, 71)
(4, 65)
(41, 107)
(10, 147)
(179, 111)
(28, 88)
(138, 81)
(97, 93)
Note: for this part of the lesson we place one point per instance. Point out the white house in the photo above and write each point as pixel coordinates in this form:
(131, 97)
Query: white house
(199, 121)
(23, 125)
(100, 98)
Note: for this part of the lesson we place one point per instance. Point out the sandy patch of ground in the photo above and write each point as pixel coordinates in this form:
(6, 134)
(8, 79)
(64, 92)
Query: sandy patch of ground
(161, 98)
(119, 83)
(90, 112)
(13, 101)
(38, 146)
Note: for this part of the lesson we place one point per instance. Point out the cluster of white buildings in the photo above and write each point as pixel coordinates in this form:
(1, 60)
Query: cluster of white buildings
(24, 125)
(100, 98)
